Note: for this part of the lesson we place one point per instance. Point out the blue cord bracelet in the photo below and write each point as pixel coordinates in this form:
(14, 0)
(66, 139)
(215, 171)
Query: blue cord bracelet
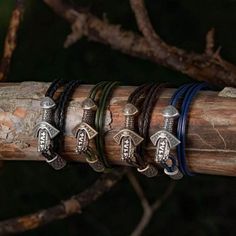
(179, 93)
(182, 125)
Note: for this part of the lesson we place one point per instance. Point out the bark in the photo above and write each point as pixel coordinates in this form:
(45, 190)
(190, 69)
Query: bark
(211, 144)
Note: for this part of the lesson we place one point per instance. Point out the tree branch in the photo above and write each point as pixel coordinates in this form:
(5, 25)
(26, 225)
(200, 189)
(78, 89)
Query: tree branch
(74, 205)
(148, 209)
(158, 46)
(198, 66)
(11, 39)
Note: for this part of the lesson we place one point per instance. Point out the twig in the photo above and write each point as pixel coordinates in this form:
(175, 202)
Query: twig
(73, 205)
(11, 39)
(148, 209)
(197, 66)
(158, 46)
(210, 42)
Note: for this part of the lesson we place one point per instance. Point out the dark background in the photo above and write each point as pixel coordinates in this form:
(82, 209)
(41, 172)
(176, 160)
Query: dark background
(200, 205)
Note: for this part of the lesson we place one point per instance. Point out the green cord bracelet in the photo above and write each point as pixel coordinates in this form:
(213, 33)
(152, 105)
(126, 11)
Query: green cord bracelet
(100, 120)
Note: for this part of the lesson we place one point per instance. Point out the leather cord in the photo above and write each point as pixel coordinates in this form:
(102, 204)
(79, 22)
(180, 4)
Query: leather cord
(100, 120)
(182, 126)
(137, 98)
(144, 120)
(55, 85)
(175, 101)
(53, 88)
(94, 92)
(60, 114)
(186, 94)
(96, 89)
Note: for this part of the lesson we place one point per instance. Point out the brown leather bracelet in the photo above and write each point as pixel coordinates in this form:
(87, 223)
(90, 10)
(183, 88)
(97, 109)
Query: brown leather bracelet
(129, 137)
(143, 127)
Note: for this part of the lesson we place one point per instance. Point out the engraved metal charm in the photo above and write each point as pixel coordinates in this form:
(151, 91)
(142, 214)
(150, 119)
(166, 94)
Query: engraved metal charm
(164, 140)
(126, 137)
(44, 130)
(84, 131)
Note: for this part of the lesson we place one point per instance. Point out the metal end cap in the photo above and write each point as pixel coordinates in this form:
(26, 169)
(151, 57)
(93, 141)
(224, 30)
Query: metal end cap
(170, 111)
(130, 110)
(89, 104)
(47, 103)
(57, 162)
(149, 171)
(96, 165)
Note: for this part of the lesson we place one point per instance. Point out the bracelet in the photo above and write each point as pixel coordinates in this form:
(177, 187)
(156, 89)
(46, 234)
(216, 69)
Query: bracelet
(55, 159)
(132, 138)
(179, 93)
(164, 140)
(182, 124)
(61, 111)
(85, 131)
(144, 122)
(45, 130)
(100, 121)
(129, 138)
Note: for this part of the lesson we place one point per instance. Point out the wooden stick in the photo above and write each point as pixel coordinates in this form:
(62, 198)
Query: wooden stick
(211, 142)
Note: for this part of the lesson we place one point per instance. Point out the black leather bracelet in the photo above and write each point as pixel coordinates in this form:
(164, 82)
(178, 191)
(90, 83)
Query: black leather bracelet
(54, 86)
(60, 114)
(45, 130)
(53, 158)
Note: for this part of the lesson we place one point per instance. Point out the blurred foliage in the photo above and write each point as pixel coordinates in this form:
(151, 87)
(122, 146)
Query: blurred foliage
(200, 206)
